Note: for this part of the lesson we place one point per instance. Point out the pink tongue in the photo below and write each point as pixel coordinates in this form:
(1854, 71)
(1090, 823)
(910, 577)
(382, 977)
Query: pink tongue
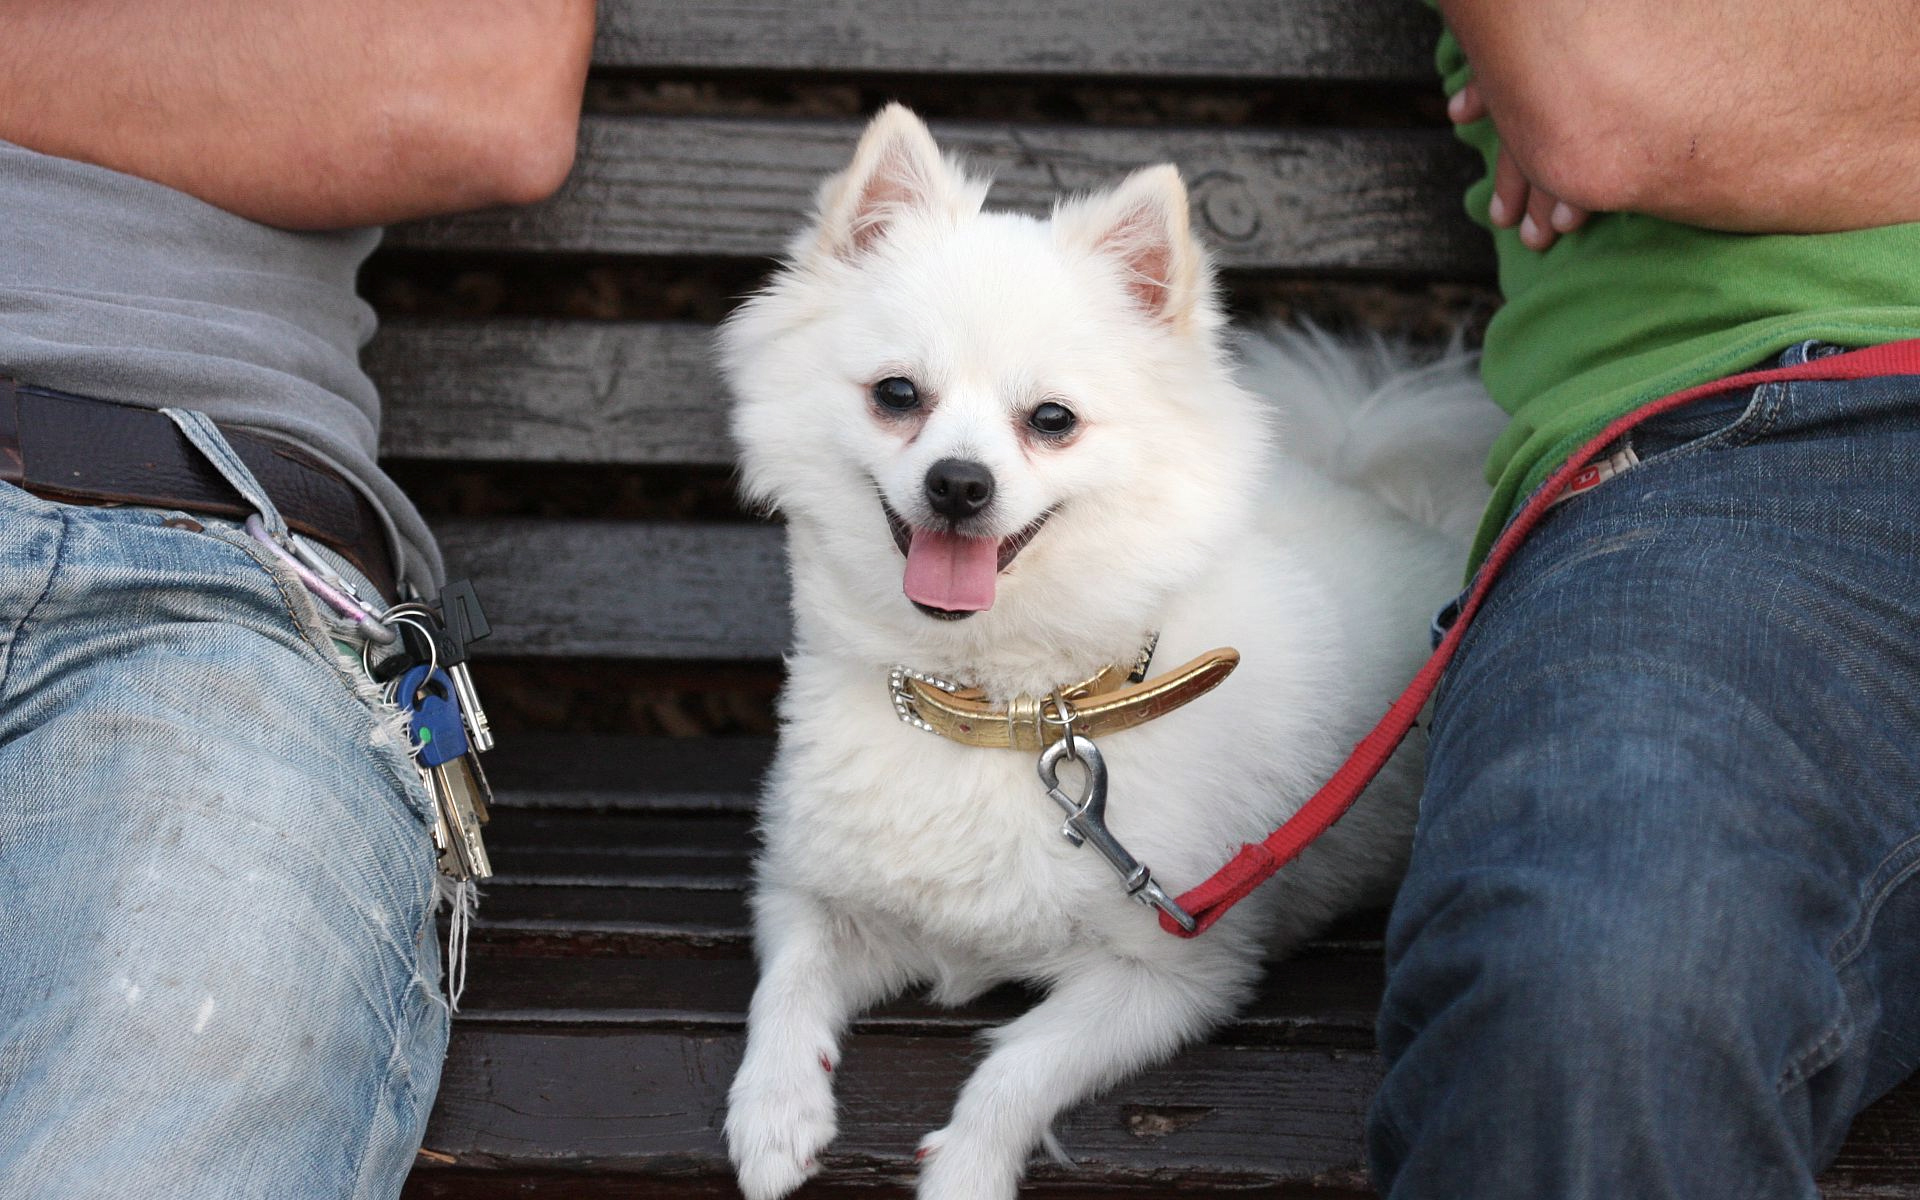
(945, 570)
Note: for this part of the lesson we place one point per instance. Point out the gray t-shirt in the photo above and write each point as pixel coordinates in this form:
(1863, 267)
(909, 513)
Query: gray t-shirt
(115, 287)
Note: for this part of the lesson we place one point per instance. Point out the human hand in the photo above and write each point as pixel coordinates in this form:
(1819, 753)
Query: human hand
(1541, 215)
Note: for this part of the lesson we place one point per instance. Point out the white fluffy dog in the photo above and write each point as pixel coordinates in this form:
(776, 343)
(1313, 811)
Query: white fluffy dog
(1034, 425)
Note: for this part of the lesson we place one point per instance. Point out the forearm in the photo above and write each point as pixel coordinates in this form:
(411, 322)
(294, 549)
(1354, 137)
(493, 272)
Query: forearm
(1788, 116)
(304, 113)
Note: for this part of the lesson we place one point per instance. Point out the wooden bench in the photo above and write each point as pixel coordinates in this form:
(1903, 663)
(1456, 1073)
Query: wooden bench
(551, 403)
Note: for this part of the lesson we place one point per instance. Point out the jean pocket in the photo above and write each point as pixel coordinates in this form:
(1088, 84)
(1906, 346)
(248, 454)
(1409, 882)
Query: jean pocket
(332, 641)
(1730, 419)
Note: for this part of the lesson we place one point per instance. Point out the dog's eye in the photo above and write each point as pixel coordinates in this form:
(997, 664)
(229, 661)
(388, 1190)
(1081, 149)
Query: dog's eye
(896, 394)
(1052, 419)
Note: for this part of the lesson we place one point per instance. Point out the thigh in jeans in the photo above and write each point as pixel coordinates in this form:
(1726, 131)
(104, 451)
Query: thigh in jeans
(1651, 942)
(218, 974)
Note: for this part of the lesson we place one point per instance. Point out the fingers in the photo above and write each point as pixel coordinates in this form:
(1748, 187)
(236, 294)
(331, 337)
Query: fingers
(1541, 216)
(1467, 105)
(1547, 218)
(1566, 218)
(1536, 228)
(1510, 193)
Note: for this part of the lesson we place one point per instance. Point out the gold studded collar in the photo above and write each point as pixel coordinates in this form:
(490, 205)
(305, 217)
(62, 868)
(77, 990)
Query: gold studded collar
(1119, 697)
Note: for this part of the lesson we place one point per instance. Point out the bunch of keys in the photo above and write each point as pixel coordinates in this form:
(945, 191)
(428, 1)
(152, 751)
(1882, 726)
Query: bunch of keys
(448, 727)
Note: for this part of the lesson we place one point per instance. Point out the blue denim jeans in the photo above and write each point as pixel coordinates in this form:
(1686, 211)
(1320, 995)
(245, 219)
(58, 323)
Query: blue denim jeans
(218, 969)
(1661, 935)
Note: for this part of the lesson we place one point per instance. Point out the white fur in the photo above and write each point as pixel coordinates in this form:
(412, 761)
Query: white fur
(1315, 533)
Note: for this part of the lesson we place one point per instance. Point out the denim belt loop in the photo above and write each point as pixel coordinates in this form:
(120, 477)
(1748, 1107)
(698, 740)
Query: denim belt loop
(207, 438)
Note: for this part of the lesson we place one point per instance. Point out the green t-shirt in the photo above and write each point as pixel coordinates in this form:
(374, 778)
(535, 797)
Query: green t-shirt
(1631, 308)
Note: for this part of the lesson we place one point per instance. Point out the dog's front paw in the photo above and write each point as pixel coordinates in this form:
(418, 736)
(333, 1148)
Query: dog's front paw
(954, 1167)
(776, 1129)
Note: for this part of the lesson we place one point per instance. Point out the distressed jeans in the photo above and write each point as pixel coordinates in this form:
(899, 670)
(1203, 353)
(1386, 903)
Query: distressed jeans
(218, 968)
(1661, 933)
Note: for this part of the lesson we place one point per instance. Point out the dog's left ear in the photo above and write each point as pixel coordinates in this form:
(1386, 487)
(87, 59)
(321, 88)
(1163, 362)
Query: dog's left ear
(1142, 226)
(896, 171)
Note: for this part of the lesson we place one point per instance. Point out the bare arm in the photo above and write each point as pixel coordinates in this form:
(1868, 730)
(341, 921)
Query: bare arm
(1784, 116)
(305, 113)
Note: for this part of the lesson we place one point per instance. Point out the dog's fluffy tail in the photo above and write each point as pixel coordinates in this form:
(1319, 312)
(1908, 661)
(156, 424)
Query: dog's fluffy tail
(1412, 430)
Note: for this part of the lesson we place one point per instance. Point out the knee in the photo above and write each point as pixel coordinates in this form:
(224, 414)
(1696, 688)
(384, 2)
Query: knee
(275, 979)
(1624, 994)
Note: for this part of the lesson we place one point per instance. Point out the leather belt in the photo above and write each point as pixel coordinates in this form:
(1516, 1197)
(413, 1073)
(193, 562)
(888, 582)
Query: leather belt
(80, 450)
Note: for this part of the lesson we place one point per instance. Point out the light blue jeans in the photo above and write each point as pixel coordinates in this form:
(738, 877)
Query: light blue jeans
(218, 969)
(1661, 934)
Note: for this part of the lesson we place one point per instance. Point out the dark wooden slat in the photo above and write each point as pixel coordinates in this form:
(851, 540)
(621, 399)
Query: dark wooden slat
(625, 590)
(1157, 39)
(442, 1183)
(561, 834)
(1217, 1116)
(1375, 200)
(523, 390)
(642, 918)
(670, 913)
(663, 878)
(653, 1102)
(669, 909)
(1881, 1156)
(663, 866)
(462, 1183)
(1316, 998)
(604, 771)
(539, 847)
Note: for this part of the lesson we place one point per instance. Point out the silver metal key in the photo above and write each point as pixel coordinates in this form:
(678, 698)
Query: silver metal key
(463, 855)
(479, 730)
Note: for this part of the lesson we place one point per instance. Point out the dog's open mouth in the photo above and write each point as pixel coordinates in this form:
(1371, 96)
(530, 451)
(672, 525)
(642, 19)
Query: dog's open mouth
(950, 575)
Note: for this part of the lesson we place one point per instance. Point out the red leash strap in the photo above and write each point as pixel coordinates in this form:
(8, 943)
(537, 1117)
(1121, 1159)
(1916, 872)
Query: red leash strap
(1257, 862)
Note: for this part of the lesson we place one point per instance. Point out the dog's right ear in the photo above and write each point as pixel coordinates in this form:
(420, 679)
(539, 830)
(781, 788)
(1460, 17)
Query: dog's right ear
(1142, 227)
(896, 170)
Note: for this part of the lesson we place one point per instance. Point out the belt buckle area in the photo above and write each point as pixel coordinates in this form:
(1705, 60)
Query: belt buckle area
(13, 467)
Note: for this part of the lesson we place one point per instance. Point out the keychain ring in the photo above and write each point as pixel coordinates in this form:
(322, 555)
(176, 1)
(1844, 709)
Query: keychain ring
(1064, 720)
(404, 611)
(393, 616)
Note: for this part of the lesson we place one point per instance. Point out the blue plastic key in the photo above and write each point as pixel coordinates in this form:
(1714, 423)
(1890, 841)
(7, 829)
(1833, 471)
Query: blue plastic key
(439, 735)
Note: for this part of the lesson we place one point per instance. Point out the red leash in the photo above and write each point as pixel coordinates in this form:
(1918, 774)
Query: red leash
(1257, 862)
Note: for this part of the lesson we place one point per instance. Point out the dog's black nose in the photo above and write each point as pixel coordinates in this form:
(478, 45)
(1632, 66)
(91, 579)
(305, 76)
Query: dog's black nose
(957, 488)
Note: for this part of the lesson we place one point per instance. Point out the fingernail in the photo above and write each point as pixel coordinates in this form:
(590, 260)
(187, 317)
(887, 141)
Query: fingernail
(1563, 216)
(1529, 231)
(1497, 209)
(1457, 106)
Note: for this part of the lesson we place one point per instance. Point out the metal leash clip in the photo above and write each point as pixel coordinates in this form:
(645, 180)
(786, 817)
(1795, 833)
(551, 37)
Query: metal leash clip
(1087, 816)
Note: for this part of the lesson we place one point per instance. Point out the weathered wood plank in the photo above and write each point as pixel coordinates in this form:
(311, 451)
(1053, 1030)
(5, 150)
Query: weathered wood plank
(605, 850)
(464, 1183)
(1881, 1157)
(640, 919)
(618, 589)
(672, 864)
(1373, 200)
(624, 1102)
(640, 879)
(537, 770)
(1148, 39)
(627, 1101)
(671, 916)
(531, 390)
(1318, 998)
